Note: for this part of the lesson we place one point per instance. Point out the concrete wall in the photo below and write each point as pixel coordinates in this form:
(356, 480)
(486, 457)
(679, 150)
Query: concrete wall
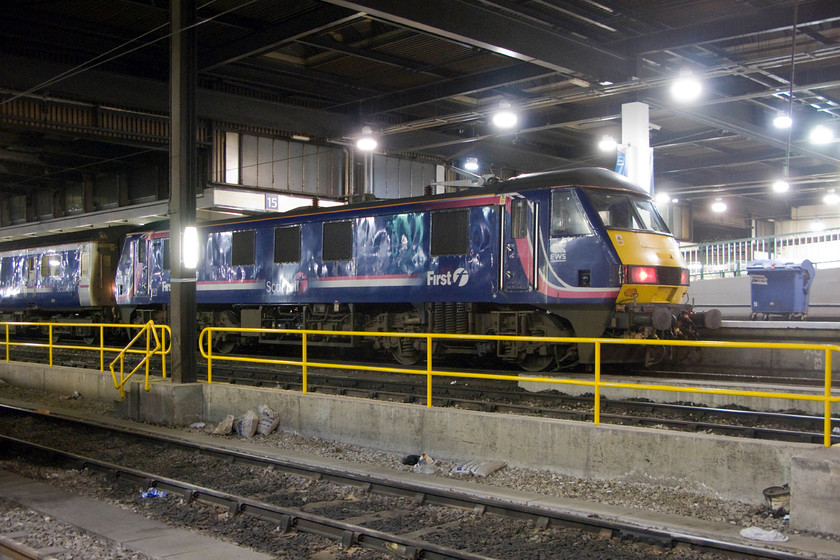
(730, 468)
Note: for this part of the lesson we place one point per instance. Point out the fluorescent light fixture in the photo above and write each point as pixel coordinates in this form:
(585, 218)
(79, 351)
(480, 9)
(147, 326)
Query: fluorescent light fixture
(782, 120)
(831, 198)
(718, 206)
(607, 143)
(471, 164)
(366, 143)
(190, 247)
(505, 118)
(781, 186)
(301, 137)
(820, 135)
(686, 88)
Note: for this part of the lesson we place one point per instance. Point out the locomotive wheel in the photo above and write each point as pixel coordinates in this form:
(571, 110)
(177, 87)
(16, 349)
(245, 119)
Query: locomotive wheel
(535, 362)
(225, 343)
(405, 353)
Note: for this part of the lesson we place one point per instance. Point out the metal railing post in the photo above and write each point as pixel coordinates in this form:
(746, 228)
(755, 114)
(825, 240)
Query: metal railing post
(163, 351)
(209, 356)
(597, 383)
(149, 328)
(827, 423)
(102, 348)
(303, 362)
(429, 376)
(51, 344)
(7, 342)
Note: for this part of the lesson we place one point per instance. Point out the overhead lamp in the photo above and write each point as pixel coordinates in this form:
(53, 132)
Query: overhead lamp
(662, 198)
(686, 88)
(831, 198)
(718, 206)
(782, 120)
(471, 164)
(820, 135)
(366, 142)
(607, 143)
(189, 246)
(505, 117)
(781, 186)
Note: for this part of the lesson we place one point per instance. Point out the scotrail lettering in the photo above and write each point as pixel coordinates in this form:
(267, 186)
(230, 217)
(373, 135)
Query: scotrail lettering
(458, 278)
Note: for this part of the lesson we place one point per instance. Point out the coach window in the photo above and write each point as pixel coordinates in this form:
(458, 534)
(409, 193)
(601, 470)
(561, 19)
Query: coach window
(141, 251)
(450, 233)
(50, 265)
(164, 254)
(30, 269)
(337, 244)
(567, 218)
(287, 244)
(243, 248)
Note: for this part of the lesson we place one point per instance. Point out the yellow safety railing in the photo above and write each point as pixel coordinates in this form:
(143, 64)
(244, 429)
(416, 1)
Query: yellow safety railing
(94, 330)
(151, 333)
(205, 346)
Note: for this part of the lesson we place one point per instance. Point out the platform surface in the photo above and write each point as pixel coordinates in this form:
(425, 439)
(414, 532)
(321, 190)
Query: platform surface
(131, 530)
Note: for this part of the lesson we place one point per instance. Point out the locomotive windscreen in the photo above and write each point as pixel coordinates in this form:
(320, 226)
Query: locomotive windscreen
(620, 210)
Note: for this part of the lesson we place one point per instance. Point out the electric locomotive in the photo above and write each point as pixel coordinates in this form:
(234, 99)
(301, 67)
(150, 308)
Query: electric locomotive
(578, 253)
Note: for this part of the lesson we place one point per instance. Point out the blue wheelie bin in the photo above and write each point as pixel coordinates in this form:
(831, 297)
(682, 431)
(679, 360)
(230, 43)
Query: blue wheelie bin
(779, 288)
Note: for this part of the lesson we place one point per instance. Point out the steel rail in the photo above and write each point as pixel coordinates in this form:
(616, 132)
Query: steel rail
(349, 534)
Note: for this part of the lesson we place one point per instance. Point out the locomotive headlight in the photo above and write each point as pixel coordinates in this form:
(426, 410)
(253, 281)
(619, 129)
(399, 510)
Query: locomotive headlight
(190, 247)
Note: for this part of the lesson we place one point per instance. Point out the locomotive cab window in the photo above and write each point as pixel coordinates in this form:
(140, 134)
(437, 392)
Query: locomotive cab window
(337, 241)
(450, 233)
(141, 251)
(287, 244)
(567, 217)
(243, 248)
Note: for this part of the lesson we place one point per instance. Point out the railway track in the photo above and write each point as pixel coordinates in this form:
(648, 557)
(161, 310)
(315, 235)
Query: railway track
(397, 517)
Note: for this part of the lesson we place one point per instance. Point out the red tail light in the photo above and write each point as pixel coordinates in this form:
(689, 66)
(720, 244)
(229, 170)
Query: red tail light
(684, 281)
(641, 274)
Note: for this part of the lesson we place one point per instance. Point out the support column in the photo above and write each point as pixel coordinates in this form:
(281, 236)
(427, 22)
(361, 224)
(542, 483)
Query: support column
(183, 176)
(635, 139)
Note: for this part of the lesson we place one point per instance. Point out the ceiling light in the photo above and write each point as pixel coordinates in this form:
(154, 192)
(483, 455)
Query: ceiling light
(471, 164)
(781, 186)
(366, 142)
(505, 117)
(782, 120)
(686, 87)
(820, 135)
(301, 137)
(607, 143)
(662, 198)
(718, 206)
(831, 198)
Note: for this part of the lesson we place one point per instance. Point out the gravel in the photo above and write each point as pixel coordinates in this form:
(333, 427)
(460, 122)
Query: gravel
(645, 497)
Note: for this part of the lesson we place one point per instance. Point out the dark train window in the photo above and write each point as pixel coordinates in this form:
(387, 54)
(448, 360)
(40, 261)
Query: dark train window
(450, 233)
(141, 250)
(164, 254)
(287, 244)
(338, 241)
(519, 218)
(243, 248)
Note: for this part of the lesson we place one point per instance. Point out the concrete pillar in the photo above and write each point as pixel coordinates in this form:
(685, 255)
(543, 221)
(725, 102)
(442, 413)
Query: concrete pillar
(635, 140)
(183, 177)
